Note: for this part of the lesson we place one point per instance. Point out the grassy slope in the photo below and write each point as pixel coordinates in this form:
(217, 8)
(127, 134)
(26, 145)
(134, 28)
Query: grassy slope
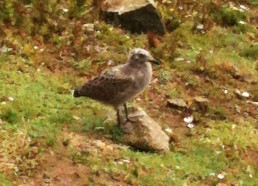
(44, 118)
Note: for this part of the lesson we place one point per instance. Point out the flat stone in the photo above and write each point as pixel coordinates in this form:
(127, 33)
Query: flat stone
(253, 103)
(136, 16)
(201, 99)
(144, 133)
(177, 103)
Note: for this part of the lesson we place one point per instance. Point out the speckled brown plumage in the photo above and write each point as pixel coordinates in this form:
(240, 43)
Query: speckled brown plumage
(107, 88)
(122, 82)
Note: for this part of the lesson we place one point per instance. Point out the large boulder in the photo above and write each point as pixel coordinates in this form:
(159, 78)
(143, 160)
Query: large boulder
(136, 16)
(144, 133)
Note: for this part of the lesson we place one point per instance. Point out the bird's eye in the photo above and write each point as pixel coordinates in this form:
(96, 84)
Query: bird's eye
(141, 55)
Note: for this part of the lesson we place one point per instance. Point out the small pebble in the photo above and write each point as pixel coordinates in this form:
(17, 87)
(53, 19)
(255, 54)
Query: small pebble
(218, 152)
(243, 7)
(76, 118)
(200, 26)
(212, 174)
(179, 59)
(125, 161)
(242, 22)
(88, 26)
(225, 91)
(65, 9)
(245, 94)
(168, 130)
(188, 119)
(190, 125)
(221, 176)
(11, 98)
(127, 37)
(110, 62)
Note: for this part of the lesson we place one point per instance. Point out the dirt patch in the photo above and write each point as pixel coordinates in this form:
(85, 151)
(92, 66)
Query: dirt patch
(60, 170)
(252, 157)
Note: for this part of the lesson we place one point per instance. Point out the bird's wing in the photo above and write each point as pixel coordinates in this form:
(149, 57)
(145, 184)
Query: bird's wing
(107, 86)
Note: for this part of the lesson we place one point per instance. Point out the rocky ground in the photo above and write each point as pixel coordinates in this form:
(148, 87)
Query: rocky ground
(203, 95)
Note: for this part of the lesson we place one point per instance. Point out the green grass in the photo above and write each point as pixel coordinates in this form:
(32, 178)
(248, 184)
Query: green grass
(227, 133)
(43, 107)
(4, 181)
(193, 163)
(42, 104)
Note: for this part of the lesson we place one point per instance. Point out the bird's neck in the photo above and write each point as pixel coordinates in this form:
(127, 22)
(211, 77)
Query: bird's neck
(148, 67)
(144, 68)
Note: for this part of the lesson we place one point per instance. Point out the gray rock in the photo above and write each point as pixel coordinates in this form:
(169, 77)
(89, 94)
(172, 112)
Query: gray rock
(200, 103)
(144, 133)
(136, 16)
(177, 103)
(235, 72)
(254, 21)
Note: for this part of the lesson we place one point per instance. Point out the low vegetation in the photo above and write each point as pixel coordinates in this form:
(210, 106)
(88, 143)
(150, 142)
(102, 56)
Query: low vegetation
(47, 49)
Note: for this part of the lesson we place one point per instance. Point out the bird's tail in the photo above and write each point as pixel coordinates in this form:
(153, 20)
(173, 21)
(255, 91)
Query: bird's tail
(76, 93)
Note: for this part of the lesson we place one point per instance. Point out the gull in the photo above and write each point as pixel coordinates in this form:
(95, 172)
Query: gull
(121, 83)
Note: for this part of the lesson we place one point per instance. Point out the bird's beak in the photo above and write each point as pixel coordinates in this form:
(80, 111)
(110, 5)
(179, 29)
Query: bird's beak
(154, 61)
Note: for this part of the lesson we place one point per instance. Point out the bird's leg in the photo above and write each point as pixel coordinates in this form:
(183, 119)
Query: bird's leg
(126, 111)
(118, 116)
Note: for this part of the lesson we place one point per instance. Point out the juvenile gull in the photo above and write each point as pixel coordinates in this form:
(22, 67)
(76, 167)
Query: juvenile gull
(122, 82)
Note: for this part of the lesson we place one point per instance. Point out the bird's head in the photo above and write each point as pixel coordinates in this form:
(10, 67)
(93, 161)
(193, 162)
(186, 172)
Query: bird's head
(139, 55)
